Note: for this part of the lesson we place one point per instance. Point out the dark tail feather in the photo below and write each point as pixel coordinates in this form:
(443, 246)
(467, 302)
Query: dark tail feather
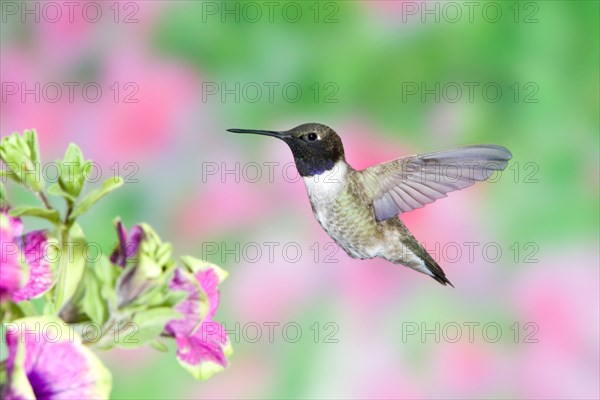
(438, 274)
(436, 270)
(414, 246)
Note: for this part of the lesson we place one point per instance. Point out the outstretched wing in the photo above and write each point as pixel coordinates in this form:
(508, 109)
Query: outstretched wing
(411, 182)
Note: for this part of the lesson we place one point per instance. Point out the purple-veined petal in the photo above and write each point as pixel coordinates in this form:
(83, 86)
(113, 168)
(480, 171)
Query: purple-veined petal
(118, 256)
(209, 276)
(34, 251)
(205, 352)
(46, 360)
(202, 344)
(13, 275)
(209, 281)
(24, 269)
(203, 297)
(193, 308)
(126, 248)
(136, 235)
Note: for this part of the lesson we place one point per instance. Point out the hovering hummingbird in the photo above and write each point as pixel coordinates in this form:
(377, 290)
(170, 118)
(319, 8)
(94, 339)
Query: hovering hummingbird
(359, 209)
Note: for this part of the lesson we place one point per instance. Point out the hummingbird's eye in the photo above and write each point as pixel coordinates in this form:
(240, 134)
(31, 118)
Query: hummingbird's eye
(312, 136)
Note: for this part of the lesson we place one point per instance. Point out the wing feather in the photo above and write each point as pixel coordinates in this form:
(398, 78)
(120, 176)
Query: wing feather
(411, 182)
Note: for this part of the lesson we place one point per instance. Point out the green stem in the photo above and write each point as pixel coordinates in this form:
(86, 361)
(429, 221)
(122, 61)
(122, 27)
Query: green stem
(44, 199)
(68, 221)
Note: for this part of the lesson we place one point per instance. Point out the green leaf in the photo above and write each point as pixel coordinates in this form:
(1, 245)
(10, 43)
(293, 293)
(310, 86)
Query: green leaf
(106, 274)
(14, 143)
(7, 173)
(49, 308)
(27, 308)
(18, 157)
(74, 154)
(92, 302)
(56, 190)
(159, 345)
(72, 171)
(71, 266)
(147, 325)
(30, 137)
(106, 271)
(30, 211)
(163, 253)
(3, 197)
(13, 311)
(94, 196)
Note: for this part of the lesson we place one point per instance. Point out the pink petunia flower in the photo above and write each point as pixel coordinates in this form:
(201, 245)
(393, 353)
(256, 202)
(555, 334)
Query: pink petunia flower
(24, 264)
(47, 360)
(12, 276)
(202, 344)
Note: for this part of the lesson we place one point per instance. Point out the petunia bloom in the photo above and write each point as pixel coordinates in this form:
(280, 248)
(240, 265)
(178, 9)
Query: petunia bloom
(47, 360)
(202, 344)
(24, 263)
(12, 276)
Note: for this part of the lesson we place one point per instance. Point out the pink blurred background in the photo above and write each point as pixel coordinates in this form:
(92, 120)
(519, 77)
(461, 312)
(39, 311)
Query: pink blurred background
(547, 308)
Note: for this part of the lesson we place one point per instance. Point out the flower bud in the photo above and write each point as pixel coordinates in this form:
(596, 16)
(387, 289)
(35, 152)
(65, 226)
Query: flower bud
(147, 265)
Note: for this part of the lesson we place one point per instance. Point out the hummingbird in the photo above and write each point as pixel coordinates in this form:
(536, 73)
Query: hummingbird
(359, 209)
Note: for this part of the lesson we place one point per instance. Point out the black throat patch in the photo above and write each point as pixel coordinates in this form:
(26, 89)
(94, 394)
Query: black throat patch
(312, 161)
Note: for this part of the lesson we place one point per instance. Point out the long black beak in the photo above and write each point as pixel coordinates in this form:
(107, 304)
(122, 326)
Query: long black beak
(279, 135)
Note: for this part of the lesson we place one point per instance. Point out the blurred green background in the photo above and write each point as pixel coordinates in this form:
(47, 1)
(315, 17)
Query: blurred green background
(370, 70)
